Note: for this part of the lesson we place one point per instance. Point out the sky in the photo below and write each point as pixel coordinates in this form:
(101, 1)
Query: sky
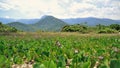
(26, 9)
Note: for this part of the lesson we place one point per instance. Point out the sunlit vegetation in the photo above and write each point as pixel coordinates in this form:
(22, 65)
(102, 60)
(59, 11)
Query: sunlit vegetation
(69, 48)
(60, 50)
(7, 29)
(113, 28)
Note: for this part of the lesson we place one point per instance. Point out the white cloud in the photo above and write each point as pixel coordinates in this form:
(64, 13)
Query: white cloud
(64, 8)
(81, 7)
(36, 8)
(5, 6)
(7, 17)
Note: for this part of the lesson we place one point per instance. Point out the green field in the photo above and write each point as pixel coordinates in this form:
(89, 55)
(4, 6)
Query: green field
(60, 50)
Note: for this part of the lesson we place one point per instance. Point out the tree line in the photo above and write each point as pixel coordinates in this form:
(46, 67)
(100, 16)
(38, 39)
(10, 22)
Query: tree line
(113, 28)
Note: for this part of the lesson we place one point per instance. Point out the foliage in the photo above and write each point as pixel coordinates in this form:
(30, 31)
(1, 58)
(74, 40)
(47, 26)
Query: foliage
(5, 28)
(75, 51)
(107, 30)
(115, 26)
(115, 63)
(99, 26)
(74, 28)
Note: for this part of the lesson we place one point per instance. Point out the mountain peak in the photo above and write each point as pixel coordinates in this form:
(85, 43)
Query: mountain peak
(47, 16)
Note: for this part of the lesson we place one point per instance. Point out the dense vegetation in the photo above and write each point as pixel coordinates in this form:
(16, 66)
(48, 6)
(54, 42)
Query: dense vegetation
(113, 28)
(60, 50)
(74, 28)
(7, 29)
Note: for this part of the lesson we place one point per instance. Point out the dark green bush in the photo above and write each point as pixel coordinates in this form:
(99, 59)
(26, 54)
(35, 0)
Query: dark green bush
(115, 26)
(75, 28)
(115, 64)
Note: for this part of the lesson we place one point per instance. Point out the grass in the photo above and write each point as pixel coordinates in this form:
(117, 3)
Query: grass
(59, 49)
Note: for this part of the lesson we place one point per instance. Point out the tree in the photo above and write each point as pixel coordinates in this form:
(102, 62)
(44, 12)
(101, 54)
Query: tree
(115, 26)
(13, 29)
(74, 28)
(0, 23)
(99, 26)
(6, 29)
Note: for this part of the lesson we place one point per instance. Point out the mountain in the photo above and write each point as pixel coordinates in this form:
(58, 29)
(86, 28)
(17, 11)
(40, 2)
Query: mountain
(7, 20)
(25, 21)
(46, 23)
(49, 23)
(91, 21)
(28, 21)
(118, 20)
(20, 26)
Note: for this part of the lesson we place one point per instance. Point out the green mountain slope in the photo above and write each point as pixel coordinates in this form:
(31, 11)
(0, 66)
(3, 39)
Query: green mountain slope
(21, 26)
(49, 23)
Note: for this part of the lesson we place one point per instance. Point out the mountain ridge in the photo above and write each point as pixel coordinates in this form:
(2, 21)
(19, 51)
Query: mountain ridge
(91, 21)
(52, 23)
(49, 23)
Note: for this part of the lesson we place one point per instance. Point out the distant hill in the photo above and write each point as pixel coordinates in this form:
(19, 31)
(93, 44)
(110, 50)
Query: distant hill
(25, 21)
(49, 23)
(20, 26)
(28, 21)
(7, 20)
(91, 21)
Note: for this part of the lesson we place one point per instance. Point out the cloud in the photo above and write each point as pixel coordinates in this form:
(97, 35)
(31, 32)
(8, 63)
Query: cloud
(5, 6)
(63, 8)
(7, 17)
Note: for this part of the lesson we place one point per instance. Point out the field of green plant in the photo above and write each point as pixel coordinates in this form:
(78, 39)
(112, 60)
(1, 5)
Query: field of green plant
(60, 50)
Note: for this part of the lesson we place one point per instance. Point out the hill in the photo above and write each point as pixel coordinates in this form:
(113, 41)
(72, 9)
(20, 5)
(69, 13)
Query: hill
(91, 21)
(49, 23)
(20, 26)
(7, 20)
(28, 21)
(25, 21)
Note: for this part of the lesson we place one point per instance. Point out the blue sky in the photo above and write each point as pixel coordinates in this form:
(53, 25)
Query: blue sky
(60, 8)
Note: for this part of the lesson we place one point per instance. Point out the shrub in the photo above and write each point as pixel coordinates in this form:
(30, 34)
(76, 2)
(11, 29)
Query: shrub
(107, 30)
(115, 26)
(75, 28)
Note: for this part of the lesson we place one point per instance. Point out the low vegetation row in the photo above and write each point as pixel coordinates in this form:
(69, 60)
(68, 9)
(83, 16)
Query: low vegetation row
(113, 28)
